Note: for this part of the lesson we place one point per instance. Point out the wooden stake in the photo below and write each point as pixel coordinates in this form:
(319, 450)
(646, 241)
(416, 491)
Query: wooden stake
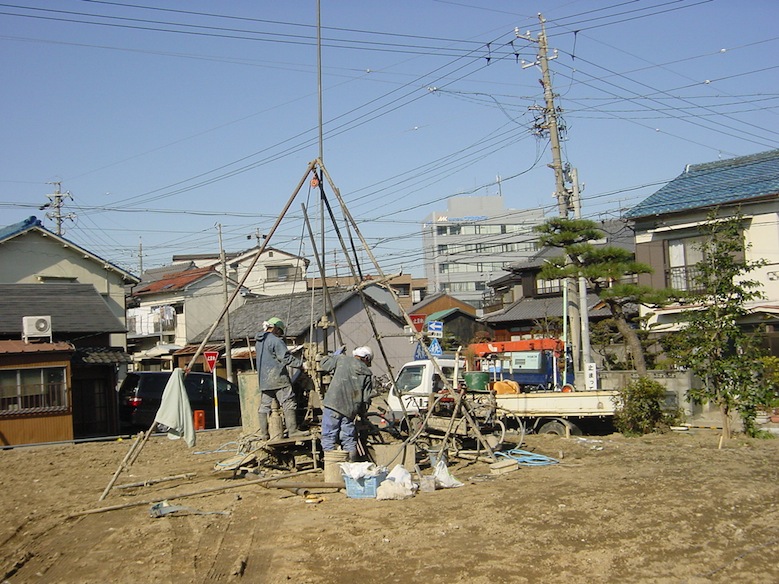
(191, 494)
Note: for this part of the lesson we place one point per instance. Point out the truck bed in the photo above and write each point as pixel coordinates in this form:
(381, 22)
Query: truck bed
(557, 403)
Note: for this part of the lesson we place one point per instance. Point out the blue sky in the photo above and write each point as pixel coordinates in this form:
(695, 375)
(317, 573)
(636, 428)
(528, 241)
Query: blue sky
(164, 119)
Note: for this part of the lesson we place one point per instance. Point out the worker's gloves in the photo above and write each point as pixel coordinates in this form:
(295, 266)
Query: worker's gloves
(340, 350)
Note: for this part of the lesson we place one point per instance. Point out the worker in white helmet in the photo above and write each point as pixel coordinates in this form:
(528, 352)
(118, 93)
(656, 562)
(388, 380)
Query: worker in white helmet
(348, 396)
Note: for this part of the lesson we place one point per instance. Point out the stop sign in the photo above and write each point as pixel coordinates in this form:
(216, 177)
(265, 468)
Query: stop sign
(211, 357)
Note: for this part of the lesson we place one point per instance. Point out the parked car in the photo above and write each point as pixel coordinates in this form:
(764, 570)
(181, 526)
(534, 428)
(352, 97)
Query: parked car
(140, 396)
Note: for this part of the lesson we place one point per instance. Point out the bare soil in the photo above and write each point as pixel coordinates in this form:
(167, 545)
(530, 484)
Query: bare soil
(660, 508)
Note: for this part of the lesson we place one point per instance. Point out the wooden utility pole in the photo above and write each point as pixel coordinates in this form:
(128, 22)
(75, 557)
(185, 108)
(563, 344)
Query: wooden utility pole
(549, 124)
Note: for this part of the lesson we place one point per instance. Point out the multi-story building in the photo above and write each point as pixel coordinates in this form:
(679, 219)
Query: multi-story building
(472, 242)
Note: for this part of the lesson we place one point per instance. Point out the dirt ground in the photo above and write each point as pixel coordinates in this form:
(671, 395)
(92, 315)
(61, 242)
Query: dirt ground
(660, 508)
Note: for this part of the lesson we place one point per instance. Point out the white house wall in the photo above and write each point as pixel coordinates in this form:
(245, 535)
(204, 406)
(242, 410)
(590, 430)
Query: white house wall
(761, 235)
(31, 257)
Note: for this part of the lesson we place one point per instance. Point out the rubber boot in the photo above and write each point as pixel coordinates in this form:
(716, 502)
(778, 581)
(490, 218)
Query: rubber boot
(290, 419)
(263, 419)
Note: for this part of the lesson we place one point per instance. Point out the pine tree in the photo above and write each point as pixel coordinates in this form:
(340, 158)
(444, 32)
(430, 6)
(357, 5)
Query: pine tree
(608, 269)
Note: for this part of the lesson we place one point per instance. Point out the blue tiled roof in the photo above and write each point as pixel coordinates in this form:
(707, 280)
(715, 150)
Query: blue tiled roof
(16, 228)
(715, 183)
(33, 222)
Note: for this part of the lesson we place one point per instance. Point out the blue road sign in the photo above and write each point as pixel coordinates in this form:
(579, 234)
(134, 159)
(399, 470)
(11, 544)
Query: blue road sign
(419, 353)
(435, 348)
(435, 328)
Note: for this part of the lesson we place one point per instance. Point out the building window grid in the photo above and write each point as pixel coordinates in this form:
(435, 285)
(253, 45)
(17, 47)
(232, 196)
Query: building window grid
(33, 390)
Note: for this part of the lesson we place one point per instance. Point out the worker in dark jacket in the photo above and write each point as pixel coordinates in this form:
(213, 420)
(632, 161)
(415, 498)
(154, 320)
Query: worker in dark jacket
(348, 396)
(273, 358)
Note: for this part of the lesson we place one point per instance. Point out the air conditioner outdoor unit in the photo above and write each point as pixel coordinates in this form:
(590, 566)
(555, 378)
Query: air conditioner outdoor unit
(36, 326)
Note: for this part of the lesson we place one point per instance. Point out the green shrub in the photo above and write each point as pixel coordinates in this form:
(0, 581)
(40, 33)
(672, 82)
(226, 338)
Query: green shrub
(640, 408)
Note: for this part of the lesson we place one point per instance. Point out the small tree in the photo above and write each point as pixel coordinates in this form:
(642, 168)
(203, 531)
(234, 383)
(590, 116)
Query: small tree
(712, 342)
(606, 269)
(640, 408)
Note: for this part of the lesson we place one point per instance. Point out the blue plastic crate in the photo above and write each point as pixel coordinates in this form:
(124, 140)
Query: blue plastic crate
(363, 488)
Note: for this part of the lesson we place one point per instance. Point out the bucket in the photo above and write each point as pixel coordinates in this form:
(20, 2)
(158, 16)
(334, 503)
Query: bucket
(477, 380)
(199, 419)
(333, 460)
(427, 484)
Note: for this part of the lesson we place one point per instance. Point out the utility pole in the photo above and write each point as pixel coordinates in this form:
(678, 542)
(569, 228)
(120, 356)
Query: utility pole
(140, 256)
(583, 310)
(55, 203)
(549, 124)
(228, 340)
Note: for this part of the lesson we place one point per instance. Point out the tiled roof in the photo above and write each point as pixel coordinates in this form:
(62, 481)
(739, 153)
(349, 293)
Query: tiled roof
(175, 281)
(715, 183)
(538, 308)
(17, 228)
(74, 308)
(14, 347)
(294, 309)
(102, 355)
(444, 314)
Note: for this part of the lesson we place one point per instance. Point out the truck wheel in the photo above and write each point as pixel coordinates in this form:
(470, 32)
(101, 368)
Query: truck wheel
(558, 427)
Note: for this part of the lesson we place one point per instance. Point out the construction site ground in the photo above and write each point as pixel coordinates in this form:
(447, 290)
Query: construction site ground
(660, 508)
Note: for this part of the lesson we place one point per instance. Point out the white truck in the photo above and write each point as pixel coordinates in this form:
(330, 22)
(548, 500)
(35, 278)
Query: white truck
(555, 412)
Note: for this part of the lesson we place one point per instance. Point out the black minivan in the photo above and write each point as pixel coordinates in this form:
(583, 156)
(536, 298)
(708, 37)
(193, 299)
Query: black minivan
(140, 396)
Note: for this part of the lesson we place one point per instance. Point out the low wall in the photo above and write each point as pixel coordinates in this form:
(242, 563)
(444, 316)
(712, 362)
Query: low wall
(677, 384)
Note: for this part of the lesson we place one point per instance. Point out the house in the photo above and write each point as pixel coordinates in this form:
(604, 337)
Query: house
(667, 236)
(58, 372)
(408, 289)
(274, 271)
(62, 337)
(31, 254)
(308, 321)
(165, 314)
(460, 327)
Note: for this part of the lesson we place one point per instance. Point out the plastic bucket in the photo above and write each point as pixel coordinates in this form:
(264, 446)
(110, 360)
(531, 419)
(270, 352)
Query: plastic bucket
(477, 380)
(333, 460)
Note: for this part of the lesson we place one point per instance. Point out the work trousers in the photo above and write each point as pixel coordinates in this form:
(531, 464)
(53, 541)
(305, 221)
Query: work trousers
(338, 429)
(285, 396)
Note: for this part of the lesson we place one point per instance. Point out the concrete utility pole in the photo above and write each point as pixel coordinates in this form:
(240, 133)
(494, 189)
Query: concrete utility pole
(55, 203)
(583, 310)
(228, 339)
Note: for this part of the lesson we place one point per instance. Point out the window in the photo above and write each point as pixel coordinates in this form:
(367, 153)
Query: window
(410, 377)
(683, 254)
(282, 273)
(33, 390)
(548, 286)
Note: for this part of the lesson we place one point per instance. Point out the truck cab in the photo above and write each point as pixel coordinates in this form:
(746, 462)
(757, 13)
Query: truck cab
(415, 382)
